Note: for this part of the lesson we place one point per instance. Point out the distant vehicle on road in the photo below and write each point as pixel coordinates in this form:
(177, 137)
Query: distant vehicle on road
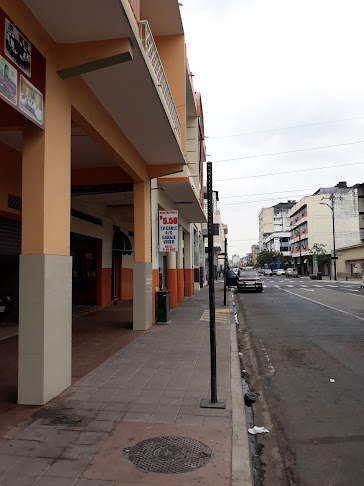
(260, 271)
(249, 280)
(279, 271)
(291, 272)
(267, 271)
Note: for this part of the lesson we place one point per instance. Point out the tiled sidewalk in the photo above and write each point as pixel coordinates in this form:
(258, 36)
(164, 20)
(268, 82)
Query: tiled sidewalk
(152, 387)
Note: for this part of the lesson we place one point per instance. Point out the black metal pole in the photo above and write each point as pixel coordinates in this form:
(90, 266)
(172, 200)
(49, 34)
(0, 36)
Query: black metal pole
(225, 270)
(299, 239)
(333, 233)
(210, 215)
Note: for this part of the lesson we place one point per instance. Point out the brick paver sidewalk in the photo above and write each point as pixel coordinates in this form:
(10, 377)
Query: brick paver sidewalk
(151, 388)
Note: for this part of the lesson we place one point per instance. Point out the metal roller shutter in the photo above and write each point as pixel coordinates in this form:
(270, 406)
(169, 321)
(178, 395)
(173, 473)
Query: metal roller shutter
(10, 237)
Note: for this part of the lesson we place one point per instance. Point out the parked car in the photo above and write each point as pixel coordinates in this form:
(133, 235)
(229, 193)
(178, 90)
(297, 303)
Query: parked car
(281, 271)
(291, 272)
(260, 271)
(249, 280)
(267, 271)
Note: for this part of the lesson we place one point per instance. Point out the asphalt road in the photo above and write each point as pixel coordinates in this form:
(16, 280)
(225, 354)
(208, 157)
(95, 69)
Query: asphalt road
(296, 336)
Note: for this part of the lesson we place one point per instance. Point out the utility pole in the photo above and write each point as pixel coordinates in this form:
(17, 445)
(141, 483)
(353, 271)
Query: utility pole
(333, 231)
(205, 402)
(332, 207)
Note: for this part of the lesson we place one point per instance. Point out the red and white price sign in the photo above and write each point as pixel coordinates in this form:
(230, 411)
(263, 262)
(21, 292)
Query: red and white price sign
(168, 231)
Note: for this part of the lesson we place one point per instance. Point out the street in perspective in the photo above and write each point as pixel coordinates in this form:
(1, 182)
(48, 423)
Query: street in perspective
(302, 345)
(181, 243)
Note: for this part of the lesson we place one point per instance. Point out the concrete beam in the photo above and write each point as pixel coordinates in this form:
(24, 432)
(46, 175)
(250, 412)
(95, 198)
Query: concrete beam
(164, 170)
(84, 57)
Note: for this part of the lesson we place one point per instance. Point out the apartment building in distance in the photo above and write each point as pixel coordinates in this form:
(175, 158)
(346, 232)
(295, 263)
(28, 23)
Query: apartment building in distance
(254, 252)
(274, 228)
(100, 129)
(311, 222)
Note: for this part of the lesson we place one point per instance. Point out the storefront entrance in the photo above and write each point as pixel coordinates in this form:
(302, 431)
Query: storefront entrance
(84, 269)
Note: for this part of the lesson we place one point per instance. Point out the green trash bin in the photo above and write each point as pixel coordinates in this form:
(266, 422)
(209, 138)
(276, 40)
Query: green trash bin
(162, 306)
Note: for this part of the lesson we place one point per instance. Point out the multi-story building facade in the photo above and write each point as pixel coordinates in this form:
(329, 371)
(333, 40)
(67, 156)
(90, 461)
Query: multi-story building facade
(255, 253)
(97, 114)
(311, 222)
(274, 228)
(350, 261)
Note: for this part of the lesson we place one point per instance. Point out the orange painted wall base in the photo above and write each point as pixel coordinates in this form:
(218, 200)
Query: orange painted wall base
(106, 287)
(155, 283)
(180, 285)
(126, 284)
(172, 287)
(188, 282)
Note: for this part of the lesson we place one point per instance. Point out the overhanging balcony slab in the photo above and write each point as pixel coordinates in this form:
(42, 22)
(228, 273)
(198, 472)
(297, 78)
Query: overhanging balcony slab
(181, 193)
(164, 16)
(128, 91)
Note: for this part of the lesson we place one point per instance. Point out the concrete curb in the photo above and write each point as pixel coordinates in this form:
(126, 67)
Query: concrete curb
(241, 460)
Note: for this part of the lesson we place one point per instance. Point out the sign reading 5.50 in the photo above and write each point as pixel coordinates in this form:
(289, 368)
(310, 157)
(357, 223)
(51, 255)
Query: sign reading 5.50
(168, 231)
(170, 220)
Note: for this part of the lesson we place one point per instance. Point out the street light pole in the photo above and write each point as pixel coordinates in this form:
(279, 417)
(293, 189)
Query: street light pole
(333, 232)
(332, 207)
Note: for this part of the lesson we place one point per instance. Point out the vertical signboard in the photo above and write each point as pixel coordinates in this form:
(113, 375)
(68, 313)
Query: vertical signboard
(168, 231)
(22, 72)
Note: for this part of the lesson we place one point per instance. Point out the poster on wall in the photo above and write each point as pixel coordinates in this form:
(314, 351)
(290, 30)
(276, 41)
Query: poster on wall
(168, 231)
(22, 72)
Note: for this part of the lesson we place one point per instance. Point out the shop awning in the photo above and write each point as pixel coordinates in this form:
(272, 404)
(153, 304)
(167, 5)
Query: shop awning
(181, 192)
(121, 243)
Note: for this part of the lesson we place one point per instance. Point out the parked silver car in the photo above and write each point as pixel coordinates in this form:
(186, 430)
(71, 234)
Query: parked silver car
(249, 280)
(292, 272)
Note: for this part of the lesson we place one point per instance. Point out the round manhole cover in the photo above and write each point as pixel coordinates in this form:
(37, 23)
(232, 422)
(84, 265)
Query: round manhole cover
(169, 455)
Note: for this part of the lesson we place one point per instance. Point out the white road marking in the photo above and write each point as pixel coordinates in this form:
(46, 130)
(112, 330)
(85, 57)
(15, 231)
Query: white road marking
(277, 286)
(309, 290)
(324, 305)
(291, 286)
(350, 290)
(318, 286)
(270, 365)
(334, 286)
(303, 286)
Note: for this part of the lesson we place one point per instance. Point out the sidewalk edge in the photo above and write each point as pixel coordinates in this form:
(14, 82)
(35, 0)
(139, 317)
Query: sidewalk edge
(241, 460)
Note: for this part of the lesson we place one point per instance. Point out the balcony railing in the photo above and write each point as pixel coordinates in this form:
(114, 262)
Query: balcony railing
(152, 52)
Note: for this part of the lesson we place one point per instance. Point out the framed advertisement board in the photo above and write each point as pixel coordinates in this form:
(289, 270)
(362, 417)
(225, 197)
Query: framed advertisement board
(168, 231)
(22, 72)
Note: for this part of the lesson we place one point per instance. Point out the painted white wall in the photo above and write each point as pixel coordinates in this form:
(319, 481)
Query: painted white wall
(319, 220)
(122, 217)
(161, 202)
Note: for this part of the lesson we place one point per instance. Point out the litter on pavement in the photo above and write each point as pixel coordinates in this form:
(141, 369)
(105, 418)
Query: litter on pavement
(250, 398)
(257, 430)
(332, 380)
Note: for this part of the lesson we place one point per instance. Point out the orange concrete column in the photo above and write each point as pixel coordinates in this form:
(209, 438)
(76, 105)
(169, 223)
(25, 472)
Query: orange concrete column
(188, 264)
(45, 293)
(172, 279)
(142, 275)
(180, 271)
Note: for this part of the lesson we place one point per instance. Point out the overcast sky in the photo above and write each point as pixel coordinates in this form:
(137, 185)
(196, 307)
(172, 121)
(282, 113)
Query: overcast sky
(268, 64)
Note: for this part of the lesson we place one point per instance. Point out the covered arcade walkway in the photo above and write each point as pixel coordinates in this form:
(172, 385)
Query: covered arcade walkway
(95, 337)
